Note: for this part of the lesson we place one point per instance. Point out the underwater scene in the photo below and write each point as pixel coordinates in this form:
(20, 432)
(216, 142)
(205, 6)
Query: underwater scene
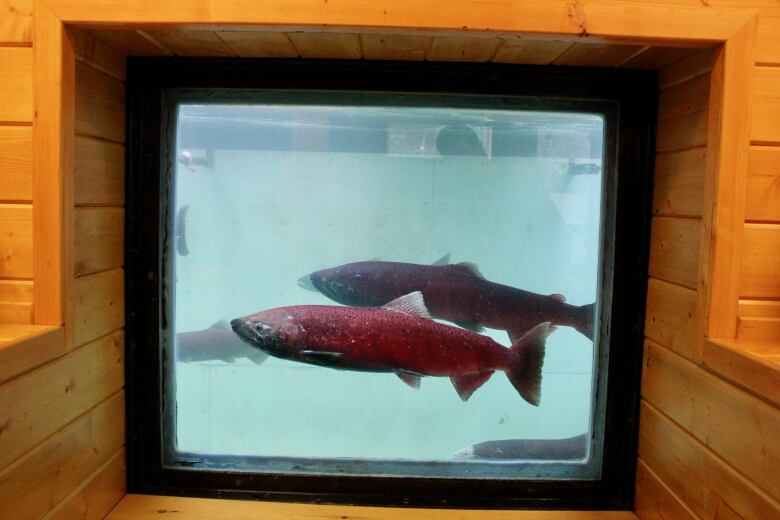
(385, 284)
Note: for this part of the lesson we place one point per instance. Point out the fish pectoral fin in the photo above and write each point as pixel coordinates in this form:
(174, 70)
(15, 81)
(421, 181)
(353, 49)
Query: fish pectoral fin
(445, 260)
(474, 327)
(321, 354)
(412, 304)
(466, 385)
(469, 269)
(410, 378)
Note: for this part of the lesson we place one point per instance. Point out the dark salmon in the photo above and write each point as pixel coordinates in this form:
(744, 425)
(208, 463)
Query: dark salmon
(455, 292)
(215, 343)
(399, 337)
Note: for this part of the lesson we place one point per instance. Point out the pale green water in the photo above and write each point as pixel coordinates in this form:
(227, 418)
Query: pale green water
(260, 219)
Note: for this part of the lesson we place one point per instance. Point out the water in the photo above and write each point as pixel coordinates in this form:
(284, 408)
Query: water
(276, 192)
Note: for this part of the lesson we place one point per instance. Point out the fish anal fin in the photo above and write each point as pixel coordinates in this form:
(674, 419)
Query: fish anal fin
(467, 384)
(445, 260)
(410, 379)
(474, 327)
(469, 269)
(412, 304)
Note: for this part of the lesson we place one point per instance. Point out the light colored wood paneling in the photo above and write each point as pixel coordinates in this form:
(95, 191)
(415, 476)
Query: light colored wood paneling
(95, 498)
(99, 305)
(100, 172)
(16, 163)
(742, 429)
(100, 104)
(654, 500)
(758, 328)
(16, 241)
(16, 89)
(767, 41)
(458, 48)
(759, 308)
(674, 250)
(658, 57)
(411, 47)
(147, 507)
(596, 55)
(326, 45)
(530, 52)
(56, 467)
(707, 485)
(129, 43)
(766, 105)
(696, 64)
(99, 55)
(71, 384)
(747, 363)
(100, 239)
(16, 290)
(191, 43)
(685, 98)
(16, 312)
(682, 132)
(24, 347)
(679, 183)
(670, 316)
(16, 22)
(760, 254)
(762, 201)
(257, 44)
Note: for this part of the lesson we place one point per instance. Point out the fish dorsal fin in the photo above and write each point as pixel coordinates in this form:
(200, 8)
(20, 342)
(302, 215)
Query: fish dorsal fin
(221, 325)
(469, 269)
(558, 297)
(445, 260)
(412, 304)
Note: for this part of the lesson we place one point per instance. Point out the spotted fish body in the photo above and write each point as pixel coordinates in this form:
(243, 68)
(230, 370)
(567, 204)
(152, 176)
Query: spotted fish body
(397, 338)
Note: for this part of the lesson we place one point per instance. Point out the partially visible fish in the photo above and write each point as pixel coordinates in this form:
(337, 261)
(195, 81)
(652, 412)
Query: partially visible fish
(399, 337)
(180, 231)
(572, 448)
(185, 158)
(455, 292)
(217, 342)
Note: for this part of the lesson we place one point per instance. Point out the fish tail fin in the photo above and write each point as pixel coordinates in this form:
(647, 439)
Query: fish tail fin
(526, 360)
(585, 320)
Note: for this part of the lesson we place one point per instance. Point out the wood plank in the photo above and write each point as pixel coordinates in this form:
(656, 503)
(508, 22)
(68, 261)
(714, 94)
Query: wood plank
(685, 98)
(682, 132)
(16, 290)
(759, 308)
(16, 163)
(16, 312)
(530, 52)
(100, 104)
(761, 251)
(326, 45)
(674, 250)
(745, 362)
(654, 500)
(96, 497)
(410, 47)
(742, 429)
(658, 57)
(704, 482)
(697, 64)
(191, 43)
(75, 382)
(767, 42)
(99, 305)
(596, 55)
(148, 507)
(16, 241)
(25, 347)
(762, 199)
(56, 467)
(257, 44)
(766, 105)
(458, 48)
(128, 42)
(678, 188)
(16, 21)
(98, 55)
(100, 240)
(16, 89)
(100, 172)
(54, 79)
(670, 316)
(758, 328)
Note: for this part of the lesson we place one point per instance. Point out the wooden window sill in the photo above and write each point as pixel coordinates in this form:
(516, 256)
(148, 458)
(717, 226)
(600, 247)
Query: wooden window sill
(24, 347)
(750, 363)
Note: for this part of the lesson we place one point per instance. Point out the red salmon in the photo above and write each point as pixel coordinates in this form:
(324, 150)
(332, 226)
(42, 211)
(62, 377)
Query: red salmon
(399, 337)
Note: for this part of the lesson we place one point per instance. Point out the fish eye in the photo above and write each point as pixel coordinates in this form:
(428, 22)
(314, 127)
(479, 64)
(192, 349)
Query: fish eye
(261, 326)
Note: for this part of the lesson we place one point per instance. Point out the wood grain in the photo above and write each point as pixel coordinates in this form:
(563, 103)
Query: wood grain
(98, 55)
(16, 241)
(759, 308)
(697, 64)
(670, 317)
(530, 52)
(674, 250)
(704, 482)
(758, 328)
(654, 500)
(685, 98)
(191, 43)
(326, 45)
(762, 199)
(597, 55)
(100, 172)
(761, 251)
(458, 48)
(16, 290)
(128, 42)
(16, 88)
(747, 363)
(16, 21)
(99, 305)
(767, 42)
(742, 429)
(409, 47)
(682, 132)
(658, 57)
(75, 382)
(16, 312)
(257, 44)
(679, 183)
(24, 347)
(766, 105)
(100, 104)
(56, 467)
(100, 240)
(16, 163)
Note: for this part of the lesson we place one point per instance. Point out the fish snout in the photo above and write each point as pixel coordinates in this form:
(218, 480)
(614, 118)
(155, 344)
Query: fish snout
(260, 335)
(306, 282)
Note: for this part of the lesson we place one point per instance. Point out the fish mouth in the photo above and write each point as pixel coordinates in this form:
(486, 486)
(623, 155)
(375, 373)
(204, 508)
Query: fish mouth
(246, 332)
(305, 282)
(260, 336)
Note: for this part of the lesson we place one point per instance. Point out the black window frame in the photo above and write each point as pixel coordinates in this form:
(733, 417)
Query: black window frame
(628, 100)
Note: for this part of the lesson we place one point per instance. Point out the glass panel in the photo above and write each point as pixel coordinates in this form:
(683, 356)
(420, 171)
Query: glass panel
(487, 220)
